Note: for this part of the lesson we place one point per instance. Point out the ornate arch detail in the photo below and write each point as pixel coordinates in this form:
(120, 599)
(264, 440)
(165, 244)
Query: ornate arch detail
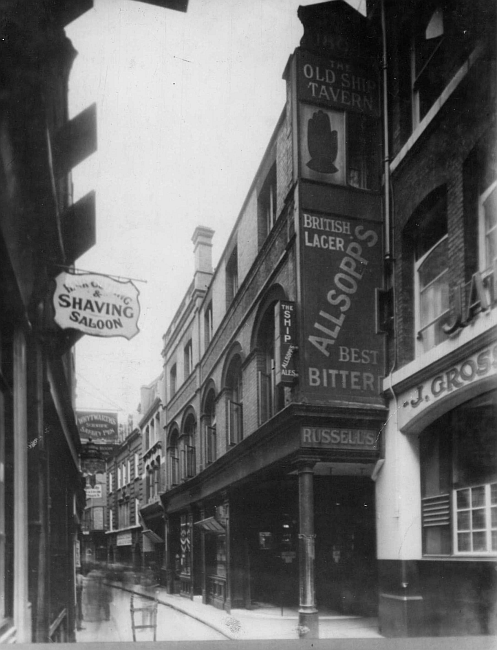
(208, 388)
(189, 413)
(173, 429)
(234, 351)
(272, 295)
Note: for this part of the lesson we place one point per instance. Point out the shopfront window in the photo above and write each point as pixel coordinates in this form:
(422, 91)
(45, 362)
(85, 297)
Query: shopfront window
(459, 480)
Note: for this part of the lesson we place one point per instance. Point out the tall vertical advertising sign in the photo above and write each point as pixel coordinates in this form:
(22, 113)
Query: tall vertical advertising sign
(340, 247)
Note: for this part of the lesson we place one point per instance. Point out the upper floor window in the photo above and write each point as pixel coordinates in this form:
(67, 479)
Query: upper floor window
(188, 461)
(172, 381)
(488, 226)
(208, 324)
(431, 275)
(137, 466)
(269, 394)
(111, 482)
(232, 276)
(427, 63)
(210, 428)
(267, 202)
(188, 359)
(234, 393)
(173, 457)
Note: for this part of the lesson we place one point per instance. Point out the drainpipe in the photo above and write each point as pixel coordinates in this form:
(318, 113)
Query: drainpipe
(386, 147)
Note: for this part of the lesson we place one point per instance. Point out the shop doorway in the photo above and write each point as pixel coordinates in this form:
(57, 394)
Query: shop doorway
(345, 566)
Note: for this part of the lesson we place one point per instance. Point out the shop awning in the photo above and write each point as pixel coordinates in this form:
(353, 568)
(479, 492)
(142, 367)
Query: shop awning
(153, 537)
(210, 525)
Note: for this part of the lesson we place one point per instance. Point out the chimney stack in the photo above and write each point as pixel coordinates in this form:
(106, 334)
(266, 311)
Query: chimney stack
(202, 246)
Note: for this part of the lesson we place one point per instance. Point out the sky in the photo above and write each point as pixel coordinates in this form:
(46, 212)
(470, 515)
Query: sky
(186, 105)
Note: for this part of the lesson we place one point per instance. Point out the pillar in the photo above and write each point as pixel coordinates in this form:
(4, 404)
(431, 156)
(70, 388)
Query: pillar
(308, 613)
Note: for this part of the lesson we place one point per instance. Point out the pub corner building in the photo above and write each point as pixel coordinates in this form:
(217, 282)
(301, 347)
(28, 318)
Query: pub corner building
(330, 413)
(42, 231)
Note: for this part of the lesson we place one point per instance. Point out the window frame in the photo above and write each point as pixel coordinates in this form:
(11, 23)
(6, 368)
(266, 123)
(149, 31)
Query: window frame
(418, 263)
(488, 529)
(486, 266)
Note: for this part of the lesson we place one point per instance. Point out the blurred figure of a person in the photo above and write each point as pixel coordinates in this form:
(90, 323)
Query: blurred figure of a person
(97, 597)
(79, 598)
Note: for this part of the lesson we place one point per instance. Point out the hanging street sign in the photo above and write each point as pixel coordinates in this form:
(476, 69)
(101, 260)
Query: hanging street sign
(96, 305)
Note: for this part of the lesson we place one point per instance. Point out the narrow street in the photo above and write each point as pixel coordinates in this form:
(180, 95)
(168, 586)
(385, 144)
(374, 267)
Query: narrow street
(171, 625)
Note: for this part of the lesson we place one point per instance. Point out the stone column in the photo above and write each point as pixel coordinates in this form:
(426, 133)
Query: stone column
(308, 613)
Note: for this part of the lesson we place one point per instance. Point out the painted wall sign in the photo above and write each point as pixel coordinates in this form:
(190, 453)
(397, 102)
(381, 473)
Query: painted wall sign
(322, 145)
(324, 438)
(94, 492)
(286, 343)
(444, 384)
(101, 427)
(341, 268)
(96, 305)
(337, 83)
(123, 539)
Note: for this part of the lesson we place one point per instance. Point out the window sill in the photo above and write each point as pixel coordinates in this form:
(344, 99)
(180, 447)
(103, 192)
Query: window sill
(439, 103)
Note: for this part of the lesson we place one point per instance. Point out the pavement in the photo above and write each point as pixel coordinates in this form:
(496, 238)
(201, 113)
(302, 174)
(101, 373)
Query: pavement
(265, 621)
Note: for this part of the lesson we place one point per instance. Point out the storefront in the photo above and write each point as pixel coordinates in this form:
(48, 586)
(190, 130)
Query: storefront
(446, 583)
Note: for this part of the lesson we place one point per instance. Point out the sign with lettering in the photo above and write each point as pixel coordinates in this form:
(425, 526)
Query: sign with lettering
(101, 426)
(123, 539)
(94, 492)
(336, 83)
(336, 438)
(286, 343)
(414, 402)
(341, 268)
(96, 305)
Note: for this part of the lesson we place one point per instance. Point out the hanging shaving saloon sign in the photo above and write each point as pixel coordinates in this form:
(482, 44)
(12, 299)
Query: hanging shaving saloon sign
(96, 305)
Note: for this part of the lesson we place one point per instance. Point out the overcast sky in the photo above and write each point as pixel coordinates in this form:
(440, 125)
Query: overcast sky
(186, 104)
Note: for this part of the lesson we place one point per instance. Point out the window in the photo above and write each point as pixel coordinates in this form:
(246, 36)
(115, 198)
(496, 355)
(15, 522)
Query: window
(172, 381)
(173, 459)
(210, 428)
(431, 274)
(137, 466)
(129, 471)
(487, 206)
(123, 515)
(137, 511)
(119, 483)
(427, 64)
(188, 459)
(458, 456)
(234, 392)
(208, 324)
(188, 355)
(267, 203)
(124, 477)
(111, 482)
(362, 147)
(112, 521)
(231, 276)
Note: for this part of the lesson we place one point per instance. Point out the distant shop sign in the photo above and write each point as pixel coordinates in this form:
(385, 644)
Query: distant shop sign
(339, 438)
(341, 268)
(101, 426)
(94, 492)
(96, 305)
(123, 539)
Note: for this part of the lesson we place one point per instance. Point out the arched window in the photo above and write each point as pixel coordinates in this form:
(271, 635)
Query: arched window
(210, 431)
(187, 448)
(173, 457)
(234, 393)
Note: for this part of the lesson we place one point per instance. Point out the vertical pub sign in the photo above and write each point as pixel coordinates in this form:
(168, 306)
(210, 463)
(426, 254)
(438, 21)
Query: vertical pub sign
(341, 254)
(286, 343)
